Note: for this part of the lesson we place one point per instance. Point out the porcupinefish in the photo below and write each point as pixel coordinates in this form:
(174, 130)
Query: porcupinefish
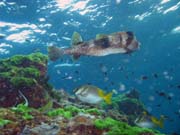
(92, 94)
(119, 42)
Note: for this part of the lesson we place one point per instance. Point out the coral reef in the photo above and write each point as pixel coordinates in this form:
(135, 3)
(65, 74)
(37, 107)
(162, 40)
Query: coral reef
(30, 106)
(115, 127)
(126, 105)
(60, 122)
(26, 74)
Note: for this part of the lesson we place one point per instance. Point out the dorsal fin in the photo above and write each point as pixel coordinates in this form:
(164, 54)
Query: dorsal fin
(76, 39)
(100, 36)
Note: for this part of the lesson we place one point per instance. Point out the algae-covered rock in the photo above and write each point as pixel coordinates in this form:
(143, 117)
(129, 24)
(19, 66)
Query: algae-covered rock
(114, 127)
(24, 88)
(42, 129)
(26, 74)
(80, 122)
(127, 105)
(14, 120)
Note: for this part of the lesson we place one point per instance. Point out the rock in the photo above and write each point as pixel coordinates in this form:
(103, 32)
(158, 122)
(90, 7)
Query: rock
(43, 129)
(115, 114)
(82, 125)
(126, 105)
(133, 94)
(26, 74)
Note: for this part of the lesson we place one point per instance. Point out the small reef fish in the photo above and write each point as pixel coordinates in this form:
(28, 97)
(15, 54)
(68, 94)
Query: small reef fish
(92, 94)
(119, 42)
(148, 121)
(67, 65)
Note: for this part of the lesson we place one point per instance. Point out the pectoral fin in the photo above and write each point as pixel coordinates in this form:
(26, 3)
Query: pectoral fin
(76, 39)
(158, 122)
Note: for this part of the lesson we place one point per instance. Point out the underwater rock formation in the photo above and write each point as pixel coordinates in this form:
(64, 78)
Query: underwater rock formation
(30, 106)
(42, 129)
(26, 75)
(65, 121)
(126, 105)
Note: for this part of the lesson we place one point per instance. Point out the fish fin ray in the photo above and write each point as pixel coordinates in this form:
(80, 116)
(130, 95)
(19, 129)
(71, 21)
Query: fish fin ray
(161, 122)
(76, 39)
(158, 122)
(101, 93)
(107, 97)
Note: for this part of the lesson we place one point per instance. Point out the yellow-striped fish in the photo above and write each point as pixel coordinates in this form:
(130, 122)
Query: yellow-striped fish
(148, 121)
(92, 94)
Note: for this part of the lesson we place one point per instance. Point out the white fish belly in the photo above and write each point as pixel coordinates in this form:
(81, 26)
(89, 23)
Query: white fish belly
(145, 124)
(107, 51)
(90, 99)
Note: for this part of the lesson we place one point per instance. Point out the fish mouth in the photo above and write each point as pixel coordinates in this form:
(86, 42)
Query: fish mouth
(131, 43)
(134, 45)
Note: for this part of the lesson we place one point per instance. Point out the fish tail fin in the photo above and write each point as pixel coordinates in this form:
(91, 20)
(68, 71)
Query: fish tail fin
(107, 97)
(54, 53)
(161, 121)
(158, 122)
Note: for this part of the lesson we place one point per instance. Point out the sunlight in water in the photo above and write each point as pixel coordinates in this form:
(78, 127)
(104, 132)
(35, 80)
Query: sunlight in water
(64, 4)
(78, 6)
(81, 5)
(164, 1)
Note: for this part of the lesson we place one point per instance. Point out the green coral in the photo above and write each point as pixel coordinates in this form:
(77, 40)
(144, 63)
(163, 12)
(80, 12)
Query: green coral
(75, 109)
(61, 112)
(17, 59)
(93, 111)
(70, 111)
(24, 110)
(22, 70)
(29, 72)
(115, 127)
(3, 122)
(38, 58)
(104, 124)
(34, 58)
(22, 81)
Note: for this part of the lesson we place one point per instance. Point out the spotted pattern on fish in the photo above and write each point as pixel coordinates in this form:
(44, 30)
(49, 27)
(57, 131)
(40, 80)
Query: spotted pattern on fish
(130, 37)
(119, 42)
(102, 43)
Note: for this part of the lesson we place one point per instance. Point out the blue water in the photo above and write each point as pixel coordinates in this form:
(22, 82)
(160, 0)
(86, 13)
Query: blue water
(28, 26)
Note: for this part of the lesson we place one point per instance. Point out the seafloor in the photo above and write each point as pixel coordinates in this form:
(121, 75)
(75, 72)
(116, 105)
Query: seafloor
(29, 105)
